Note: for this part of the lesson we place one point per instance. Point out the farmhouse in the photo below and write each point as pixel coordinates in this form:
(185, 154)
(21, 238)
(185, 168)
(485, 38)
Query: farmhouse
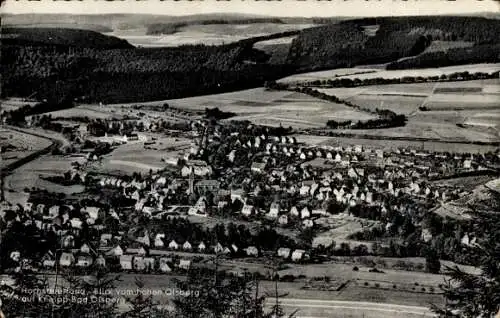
(283, 219)
(258, 167)
(164, 265)
(201, 247)
(247, 210)
(297, 255)
(66, 259)
(252, 251)
(283, 252)
(187, 246)
(84, 261)
(173, 245)
(184, 264)
(273, 210)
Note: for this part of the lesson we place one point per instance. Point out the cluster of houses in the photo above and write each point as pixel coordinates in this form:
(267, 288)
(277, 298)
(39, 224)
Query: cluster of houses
(303, 181)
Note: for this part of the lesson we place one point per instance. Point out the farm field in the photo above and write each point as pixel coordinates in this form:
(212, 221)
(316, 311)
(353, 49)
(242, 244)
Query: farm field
(274, 108)
(28, 176)
(469, 183)
(92, 112)
(447, 104)
(212, 34)
(134, 157)
(18, 145)
(440, 46)
(13, 103)
(394, 144)
(388, 74)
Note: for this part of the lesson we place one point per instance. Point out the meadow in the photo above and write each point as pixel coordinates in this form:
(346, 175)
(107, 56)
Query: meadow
(209, 34)
(19, 145)
(134, 157)
(369, 73)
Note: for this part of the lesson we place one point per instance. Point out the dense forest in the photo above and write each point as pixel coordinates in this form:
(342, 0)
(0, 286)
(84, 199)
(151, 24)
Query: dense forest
(350, 43)
(129, 75)
(60, 37)
(63, 64)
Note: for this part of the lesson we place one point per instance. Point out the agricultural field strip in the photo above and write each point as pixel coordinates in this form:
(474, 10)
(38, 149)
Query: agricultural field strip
(388, 74)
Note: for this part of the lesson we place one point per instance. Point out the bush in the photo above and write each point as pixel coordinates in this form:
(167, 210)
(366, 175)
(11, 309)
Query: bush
(377, 285)
(366, 284)
(355, 268)
(394, 286)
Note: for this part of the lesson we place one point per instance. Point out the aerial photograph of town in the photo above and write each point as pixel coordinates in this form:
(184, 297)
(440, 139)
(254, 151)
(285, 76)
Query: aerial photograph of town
(250, 165)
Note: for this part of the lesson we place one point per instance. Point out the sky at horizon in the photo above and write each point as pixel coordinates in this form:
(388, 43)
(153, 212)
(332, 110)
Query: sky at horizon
(284, 8)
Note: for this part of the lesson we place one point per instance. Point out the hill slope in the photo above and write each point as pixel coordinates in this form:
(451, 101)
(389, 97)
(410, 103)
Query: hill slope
(60, 37)
(382, 40)
(59, 64)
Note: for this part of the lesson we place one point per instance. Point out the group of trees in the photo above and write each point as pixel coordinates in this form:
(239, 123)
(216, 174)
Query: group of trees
(387, 118)
(356, 82)
(206, 292)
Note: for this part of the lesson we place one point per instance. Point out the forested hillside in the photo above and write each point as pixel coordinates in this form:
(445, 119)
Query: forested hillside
(383, 40)
(63, 64)
(173, 27)
(57, 36)
(126, 75)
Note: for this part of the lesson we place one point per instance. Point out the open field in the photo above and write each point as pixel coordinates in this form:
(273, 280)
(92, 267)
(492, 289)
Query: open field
(134, 157)
(371, 302)
(440, 46)
(394, 144)
(211, 34)
(489, 119)
(28, 176)
(274, 108)
(18, 145)
(86, 111)
(13, 103)
(374, 73)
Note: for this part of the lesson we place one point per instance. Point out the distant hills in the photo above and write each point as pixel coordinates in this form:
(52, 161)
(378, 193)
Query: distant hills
(61, 64)
(26, 36)
(388, 39)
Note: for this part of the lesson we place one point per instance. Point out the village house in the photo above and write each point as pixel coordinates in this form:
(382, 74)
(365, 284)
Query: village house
(307, 223)
(305, 213)
(252, 251)
(186, 246)
(100, 261)
(294, 211)
(158, 242)
(297, 255)
(283, 252)
(258, 167)
(164, 265)
(184, 264)
(218, 248)
(84, 261)
(67, 259)
(173, 245)
(283, 220)
(48, 260)
(273, 210)
(247, 210)
(201, 247)
(126, 262)
(117, 251)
